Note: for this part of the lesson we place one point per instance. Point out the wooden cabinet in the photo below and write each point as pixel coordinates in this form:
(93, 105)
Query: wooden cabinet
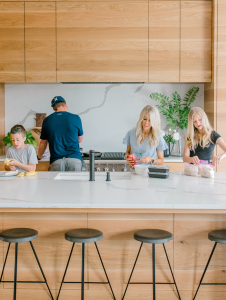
(221, 32)
(221, 111)
(164, 41)
(102, 41)
(40, 42)
(12, 42)
(108, 41)
(196, 41)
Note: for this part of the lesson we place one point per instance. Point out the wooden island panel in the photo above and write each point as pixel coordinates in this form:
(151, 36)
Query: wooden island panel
(188, 254)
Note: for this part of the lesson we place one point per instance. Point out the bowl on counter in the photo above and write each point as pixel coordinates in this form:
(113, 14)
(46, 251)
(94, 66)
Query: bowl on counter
(141, 170)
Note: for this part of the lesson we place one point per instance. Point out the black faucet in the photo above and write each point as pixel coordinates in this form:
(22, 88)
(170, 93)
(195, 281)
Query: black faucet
(91, 165)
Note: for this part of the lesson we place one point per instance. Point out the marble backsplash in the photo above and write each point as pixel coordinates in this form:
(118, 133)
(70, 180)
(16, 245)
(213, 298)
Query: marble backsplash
(107, 111)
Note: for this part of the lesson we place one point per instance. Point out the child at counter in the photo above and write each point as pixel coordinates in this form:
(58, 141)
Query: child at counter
(20, 156)
(201, 139)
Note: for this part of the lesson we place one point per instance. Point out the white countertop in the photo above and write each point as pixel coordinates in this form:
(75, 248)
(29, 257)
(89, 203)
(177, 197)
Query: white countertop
(176, 192)
(170, 159)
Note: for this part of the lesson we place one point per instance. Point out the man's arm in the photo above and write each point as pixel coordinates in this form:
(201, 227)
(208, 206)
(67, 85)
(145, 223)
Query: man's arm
(42, 148)
(80, 138)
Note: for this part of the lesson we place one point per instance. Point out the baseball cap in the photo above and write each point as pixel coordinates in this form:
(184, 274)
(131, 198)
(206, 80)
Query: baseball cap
(57, 99)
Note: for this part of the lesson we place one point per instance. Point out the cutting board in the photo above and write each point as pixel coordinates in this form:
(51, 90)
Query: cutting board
(39, 119)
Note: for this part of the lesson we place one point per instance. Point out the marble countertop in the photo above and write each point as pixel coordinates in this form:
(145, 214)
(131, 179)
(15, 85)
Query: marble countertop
(170, 159)
(176, 192)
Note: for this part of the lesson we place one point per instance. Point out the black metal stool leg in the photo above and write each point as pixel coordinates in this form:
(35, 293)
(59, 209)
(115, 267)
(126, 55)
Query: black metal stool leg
(205, 269)
(83, 263)
(171, 271)
(153, 269)
(15, 271)
(5, 262)
(41, 269)
(105, 271)
(65, 271)
(132, 270)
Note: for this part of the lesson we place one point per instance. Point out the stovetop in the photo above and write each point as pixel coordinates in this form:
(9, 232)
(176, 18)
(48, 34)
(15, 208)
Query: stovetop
(109, 156)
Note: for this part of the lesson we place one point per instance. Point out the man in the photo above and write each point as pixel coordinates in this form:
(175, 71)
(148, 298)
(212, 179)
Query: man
(63, 131)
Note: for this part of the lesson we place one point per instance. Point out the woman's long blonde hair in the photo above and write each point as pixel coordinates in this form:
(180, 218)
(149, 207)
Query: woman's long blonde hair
(192, 137)
(155, 126)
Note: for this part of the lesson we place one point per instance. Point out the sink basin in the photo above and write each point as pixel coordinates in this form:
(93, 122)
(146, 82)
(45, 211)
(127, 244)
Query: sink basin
(99, 176)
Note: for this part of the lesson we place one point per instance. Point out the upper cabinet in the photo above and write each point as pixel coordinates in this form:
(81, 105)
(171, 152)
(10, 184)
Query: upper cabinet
(12, 42)
(108, 41)
(40, 42)
(221, 32)
(196, 27)
(164, 41)
(102, 41)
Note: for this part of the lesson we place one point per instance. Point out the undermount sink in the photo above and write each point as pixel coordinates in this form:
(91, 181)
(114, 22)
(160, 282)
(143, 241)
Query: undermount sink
(99, 176)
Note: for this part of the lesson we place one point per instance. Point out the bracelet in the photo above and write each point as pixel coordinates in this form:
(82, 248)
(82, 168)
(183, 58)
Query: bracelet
(38, 158)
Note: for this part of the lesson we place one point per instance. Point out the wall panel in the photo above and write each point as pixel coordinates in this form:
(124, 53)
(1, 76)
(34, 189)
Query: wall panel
(102, 41)
(12, 42)
(164, 41)
(40, 42)
(196, 19)
(221, 110)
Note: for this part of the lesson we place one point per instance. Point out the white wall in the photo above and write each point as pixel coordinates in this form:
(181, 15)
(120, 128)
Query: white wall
(107, 111)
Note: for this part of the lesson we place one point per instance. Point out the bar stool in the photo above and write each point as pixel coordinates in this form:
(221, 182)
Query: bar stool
(152, 236)
(20, 235)
(83, 236)
(218, 236)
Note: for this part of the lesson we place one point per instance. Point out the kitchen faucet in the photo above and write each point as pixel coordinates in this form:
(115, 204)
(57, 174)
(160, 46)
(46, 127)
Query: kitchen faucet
(91, 165)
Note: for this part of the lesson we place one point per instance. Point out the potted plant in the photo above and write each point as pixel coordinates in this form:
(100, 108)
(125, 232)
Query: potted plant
(29, 140)
(170, 136)
(176, 111)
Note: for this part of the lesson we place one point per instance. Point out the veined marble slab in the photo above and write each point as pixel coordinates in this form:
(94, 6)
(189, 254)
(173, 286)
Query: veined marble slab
(176, 192)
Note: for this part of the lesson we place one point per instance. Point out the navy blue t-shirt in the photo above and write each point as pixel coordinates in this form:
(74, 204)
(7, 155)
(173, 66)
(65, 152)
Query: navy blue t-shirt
(61, 130)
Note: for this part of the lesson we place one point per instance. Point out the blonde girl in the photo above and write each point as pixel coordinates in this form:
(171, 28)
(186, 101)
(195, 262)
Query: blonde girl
(201, 139)
(146, 138)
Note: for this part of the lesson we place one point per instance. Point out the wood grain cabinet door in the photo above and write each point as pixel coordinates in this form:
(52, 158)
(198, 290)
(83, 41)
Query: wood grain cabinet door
(196, 18)
(40, 42)
(221, 55)
(102, 41)
(12, 42)
(164, 41)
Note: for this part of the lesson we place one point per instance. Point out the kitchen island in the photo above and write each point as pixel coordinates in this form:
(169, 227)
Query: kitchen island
(189, 207)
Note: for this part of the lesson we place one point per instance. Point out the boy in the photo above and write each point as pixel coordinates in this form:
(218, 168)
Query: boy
(22, 156)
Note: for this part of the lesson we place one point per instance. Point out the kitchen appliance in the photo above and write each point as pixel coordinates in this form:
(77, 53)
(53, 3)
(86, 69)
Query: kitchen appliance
(105, 156)
(108, 162)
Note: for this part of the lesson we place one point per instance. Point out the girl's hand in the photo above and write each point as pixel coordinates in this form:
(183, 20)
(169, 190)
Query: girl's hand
(216, 160)
(146, 159)
(130, 161)
(195, 160)
(13, 162)
(12, 168)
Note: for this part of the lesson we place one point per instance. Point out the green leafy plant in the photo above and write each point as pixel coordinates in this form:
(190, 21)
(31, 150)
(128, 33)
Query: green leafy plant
(169, 136)
(30, 140)
(176, 110)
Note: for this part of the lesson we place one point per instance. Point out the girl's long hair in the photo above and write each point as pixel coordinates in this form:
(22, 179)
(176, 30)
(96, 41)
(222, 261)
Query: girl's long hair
(192, 137)
(155, 126)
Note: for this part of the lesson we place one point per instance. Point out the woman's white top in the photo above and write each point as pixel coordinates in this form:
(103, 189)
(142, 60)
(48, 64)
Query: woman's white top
(144, 148)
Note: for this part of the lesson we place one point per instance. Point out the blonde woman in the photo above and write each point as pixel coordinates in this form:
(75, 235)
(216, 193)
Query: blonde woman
(201, 139)
(146, 138)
